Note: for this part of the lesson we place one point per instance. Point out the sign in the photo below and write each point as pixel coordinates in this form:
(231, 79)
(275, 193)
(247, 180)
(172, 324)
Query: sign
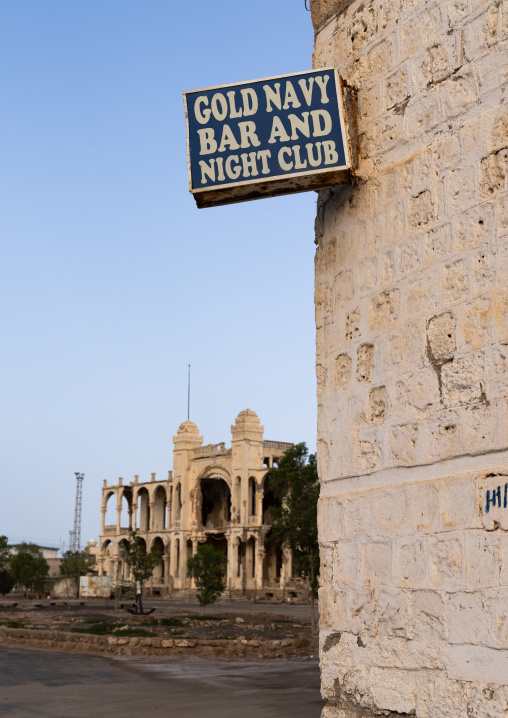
(267, 137)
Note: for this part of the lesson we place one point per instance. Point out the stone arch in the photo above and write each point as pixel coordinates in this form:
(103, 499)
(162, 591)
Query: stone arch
(220, 543)
(251, 500)
(159, 508)
(213, 502)
(158, 541)
(272, 562)
(110, 506)
(177, 558)
(106, 496)
(144, 509)
(124, 572)
(237, 500)
(269, 499)
(188, 554)
(216, 471)
(158, 571)
(125, 497)
(107, 555)
(169, 511)
(251, 558)
(239, 547)
(142, 544)
(178, 502)
(168, 558)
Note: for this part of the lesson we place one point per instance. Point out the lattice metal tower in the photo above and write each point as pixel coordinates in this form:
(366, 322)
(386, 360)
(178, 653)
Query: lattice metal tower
(75, 535)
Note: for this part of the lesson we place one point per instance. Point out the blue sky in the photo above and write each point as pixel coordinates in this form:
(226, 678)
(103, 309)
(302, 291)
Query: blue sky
(111, 280)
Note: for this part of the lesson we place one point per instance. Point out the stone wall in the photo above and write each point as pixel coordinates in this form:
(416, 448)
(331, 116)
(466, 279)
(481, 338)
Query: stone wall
(412, 363)
(254, 648)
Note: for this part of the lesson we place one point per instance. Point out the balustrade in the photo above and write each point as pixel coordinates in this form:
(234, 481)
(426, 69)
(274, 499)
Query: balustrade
(283, 445)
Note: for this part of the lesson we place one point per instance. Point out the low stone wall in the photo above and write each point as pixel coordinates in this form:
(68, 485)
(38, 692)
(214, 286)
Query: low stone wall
(123, 645)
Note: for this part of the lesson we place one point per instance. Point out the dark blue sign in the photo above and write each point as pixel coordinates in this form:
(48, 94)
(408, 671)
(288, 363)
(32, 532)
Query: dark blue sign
(265, 130)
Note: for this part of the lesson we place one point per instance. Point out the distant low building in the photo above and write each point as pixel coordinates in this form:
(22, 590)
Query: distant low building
(215, 495)
(50, 553)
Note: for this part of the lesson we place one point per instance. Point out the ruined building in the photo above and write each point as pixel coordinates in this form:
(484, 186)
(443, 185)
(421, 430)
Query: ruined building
(412, 364)
(213, 495)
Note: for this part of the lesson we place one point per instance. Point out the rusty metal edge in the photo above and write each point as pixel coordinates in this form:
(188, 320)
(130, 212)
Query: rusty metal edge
(268, 180)
(343, 87)
(223, 196)
(352, 94)
(346, 140)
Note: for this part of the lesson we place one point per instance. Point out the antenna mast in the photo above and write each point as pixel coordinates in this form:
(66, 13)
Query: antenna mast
(188, 396)
(75, 535)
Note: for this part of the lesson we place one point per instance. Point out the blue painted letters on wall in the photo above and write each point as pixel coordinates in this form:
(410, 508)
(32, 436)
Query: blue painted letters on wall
(497, 497)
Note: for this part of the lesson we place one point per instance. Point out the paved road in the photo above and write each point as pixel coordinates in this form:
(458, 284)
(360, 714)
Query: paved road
(56, 685)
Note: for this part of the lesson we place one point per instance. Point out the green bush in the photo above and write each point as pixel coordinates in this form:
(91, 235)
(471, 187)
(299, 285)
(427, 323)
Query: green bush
(208, 569)
(107, 629)
(11, 624)
(98, 628)
(136, 633)
(170, 622)
(7, 582)
(29, 567)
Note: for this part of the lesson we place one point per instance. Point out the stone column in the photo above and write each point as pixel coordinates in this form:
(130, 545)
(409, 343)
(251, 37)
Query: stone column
(151, 505)
(412, 364)
(183, 563)
(168, 514)
(167, 577)
(134, 515)
(103, 520)
(178, 564)
(100, 565)
(195, 545)
(231, 567)
(289, 564)
(118, 516)
(172, 562)
(260, 555)
(117, 575)
(259, 504)
(284, 569)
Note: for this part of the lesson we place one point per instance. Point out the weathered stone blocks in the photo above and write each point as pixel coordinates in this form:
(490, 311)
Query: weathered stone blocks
(377, 405)
(441, 338)
(383, 310)
(462, 380)
(403, 444)
(416, 336)
(493, 172)
(455, 282)
(365, 362)
(342, 372)
(441, 437)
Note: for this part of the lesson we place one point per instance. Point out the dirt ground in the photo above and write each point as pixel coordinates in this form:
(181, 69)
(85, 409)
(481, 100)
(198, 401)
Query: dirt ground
(286, 627)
